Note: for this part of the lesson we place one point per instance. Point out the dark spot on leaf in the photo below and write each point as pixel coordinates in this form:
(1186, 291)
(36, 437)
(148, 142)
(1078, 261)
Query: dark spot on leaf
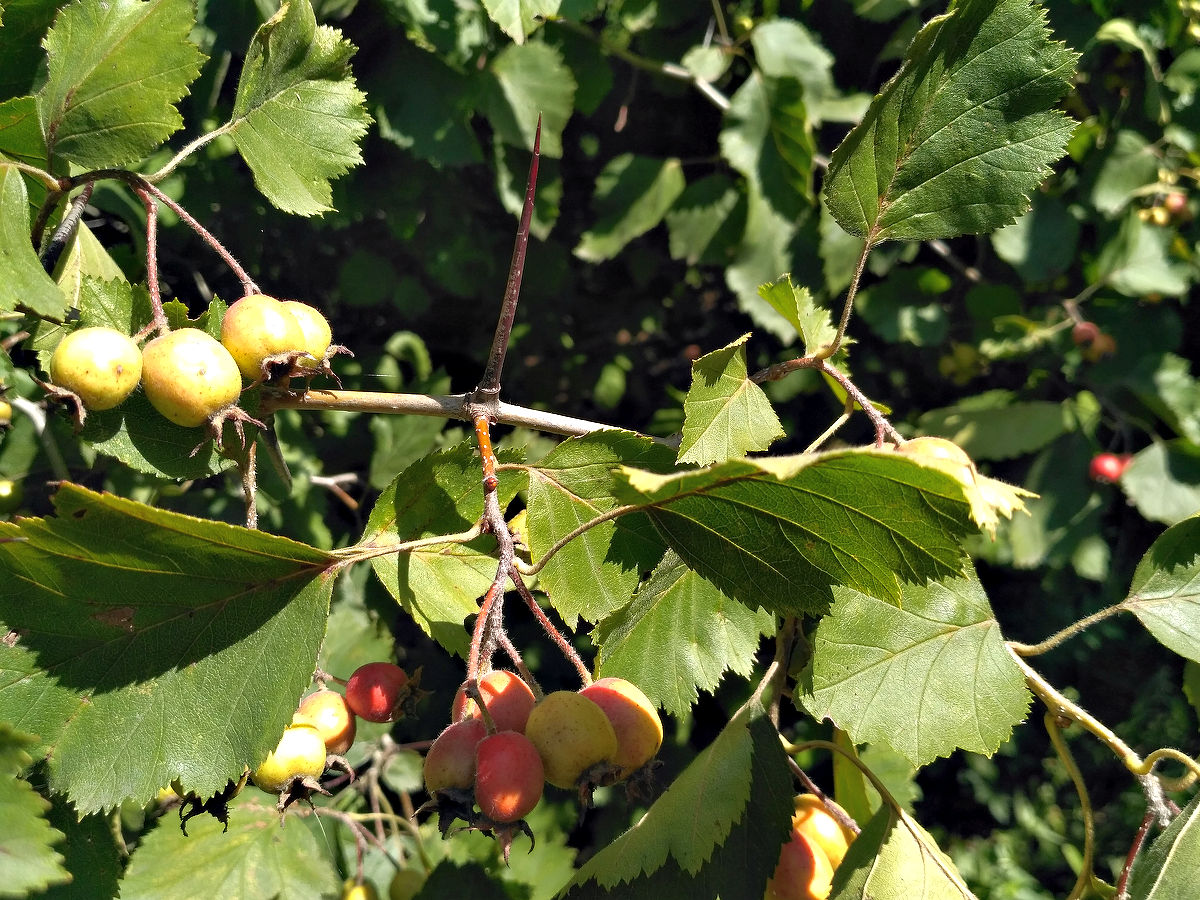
(118, 617)
(79, 514)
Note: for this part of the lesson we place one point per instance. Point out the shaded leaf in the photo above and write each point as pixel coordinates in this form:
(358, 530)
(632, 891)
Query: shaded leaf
(519, 18)
(1170, 867)
(763, 256)
(255, 858)
(90, 854)
(1138, 261)
(438, 585)
(785, 48)
(117, 69)
(156, 654)
(1165, 591)
(868, 519)
(28, 860)
(596, 573)
(1163, 481)
(715, 832)
(632, 195)
(298, 116)
(1042, 243)
(967, 116)
(992, 426)
(725, 413)
(678, 636)
(894, 858)
(796, 304)
(924, 678)
(528, 81)
(24, 284)
(706, 221)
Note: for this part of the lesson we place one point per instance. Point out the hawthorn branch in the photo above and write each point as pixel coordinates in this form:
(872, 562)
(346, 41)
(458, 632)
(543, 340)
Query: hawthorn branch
(54, 248)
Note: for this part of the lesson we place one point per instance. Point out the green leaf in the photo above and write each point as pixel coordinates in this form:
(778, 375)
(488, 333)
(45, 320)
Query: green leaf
(21, 53)
(1128, 164)
(967, 116)
(706, 221)
(906, 307)
(796, 304)
(784, 48)
(767, 138)
(1163, 481)
(21, 131)
(117, 69)
(519, 18)
(28, 860)
(725, 413)
(1138, 261)
(298, 116)
(153, 645)
(255, 858)
(1042, 243)
(438, 585)
(894, 858)
(86, 260)
(778, 532)
(679, 636)
(89, 853)
(924, 678)
(1170, 868)
(991, 426)
(715, 832)
(1165, 591)
(528, 81)
(632, 195)
(596, 573)
(24, 284)
(763, 256)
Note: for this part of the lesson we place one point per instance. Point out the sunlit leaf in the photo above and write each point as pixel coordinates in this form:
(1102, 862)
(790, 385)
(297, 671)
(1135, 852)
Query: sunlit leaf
(725, 413)
(529, 81)
(298, 116)
(1165, 591)
(117, 69)
(147, 645)
(795, 303)
(1163, 481)
(969, 115)
(678, 636)
(925, 677)
(24, 284)
(633, 193)
(518, 18)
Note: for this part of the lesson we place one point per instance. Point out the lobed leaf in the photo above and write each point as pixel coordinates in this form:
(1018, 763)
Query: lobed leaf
(597, 572)
(255, 858)
(24, 284)
(715, 832)
(796, 304)
(924, 678)
(116, 70)
(679, 635)
(28, 860)
(778, 533)
(298, 116)
(725, 413)
(894, 858)
(955, 142)
(438, 585)
(1165, 591)
(145, 645)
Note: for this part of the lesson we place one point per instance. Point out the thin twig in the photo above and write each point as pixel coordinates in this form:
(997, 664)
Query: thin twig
(1061, 637)
(833, 347)
(1084, 878)
(1134, 849)
(553, 633)
(614, 513)
(158, 321)
(187, 151)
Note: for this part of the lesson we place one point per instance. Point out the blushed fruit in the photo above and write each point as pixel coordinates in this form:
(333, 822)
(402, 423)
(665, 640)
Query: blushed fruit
(450, 761)
(634, 719)
(571, 734)
(363, 891)
(1084, 333)
(508, 776)
(813, 820)
(406, 884)
(507, 697)
(1104, 345)
(328, 713)
(803, 873)
(100, 365)
(1108, 466)
(300, 752)
(940, 453)
(376, 690)
(188, 376)
(256, 327)
(315, 329)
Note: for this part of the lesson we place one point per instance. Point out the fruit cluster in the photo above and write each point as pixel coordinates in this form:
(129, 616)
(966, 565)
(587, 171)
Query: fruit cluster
(189, 376)
(807, 861)
(498, 757)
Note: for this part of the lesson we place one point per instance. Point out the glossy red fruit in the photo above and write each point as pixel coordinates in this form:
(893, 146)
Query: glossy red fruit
(1108, 466)
(634, 719)
(450, 762)
(376, 690)
(508, 699)
(508, 776)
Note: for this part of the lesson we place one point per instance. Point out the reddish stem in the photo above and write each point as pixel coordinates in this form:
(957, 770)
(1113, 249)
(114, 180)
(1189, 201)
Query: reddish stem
(1138, 840)
(158, 321)
(553, 633)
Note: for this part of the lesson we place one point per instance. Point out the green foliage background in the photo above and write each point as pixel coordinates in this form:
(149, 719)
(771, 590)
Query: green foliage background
(684, 147)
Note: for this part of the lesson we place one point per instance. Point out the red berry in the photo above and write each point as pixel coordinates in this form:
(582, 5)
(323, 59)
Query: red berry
(376, 690)
(508, 699)
(508, 776)
(450, 762)
(1108, 466)
(1084, 333)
